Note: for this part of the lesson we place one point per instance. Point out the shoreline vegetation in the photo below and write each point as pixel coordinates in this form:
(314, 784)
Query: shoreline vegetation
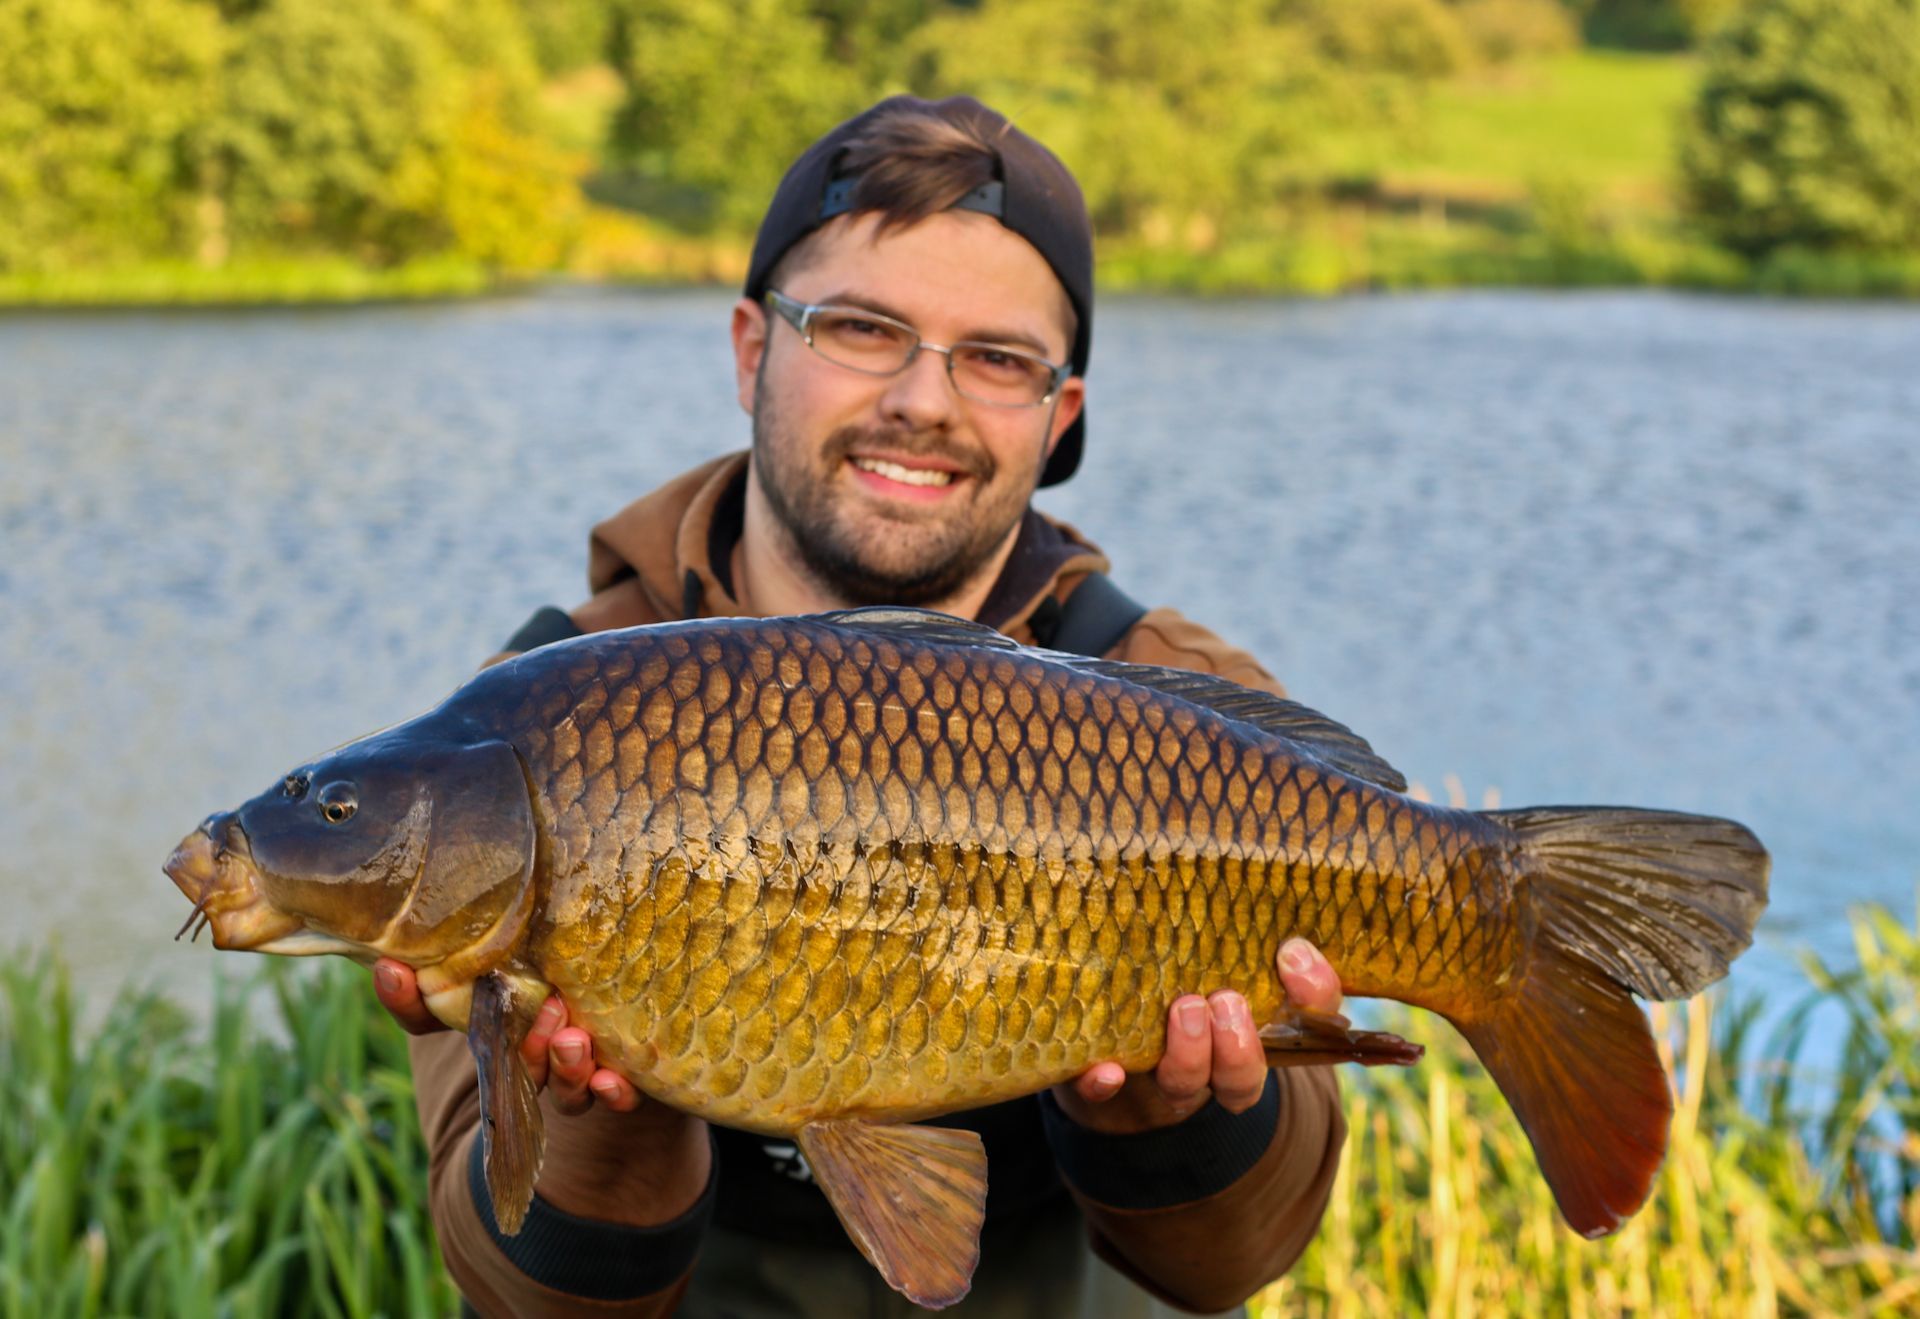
(1555, 169)
(1329, 259)
(267, 1161)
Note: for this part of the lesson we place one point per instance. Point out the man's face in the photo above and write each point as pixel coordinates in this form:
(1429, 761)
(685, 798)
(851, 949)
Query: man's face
(898, 489)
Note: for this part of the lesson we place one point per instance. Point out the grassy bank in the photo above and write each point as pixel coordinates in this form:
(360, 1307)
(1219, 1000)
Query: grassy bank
(315, 280)
(268, 1163)
(1553, 173)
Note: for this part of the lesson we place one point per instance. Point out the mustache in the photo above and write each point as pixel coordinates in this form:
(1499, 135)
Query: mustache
(911, 443)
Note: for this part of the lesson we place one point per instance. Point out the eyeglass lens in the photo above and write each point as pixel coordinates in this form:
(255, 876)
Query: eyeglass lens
(986, 372)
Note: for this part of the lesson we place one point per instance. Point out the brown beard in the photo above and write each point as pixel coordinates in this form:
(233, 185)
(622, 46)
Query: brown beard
(797, 487)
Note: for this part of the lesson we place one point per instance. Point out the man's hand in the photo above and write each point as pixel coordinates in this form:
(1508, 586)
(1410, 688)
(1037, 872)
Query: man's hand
(1213, 1051)
(558, 1056)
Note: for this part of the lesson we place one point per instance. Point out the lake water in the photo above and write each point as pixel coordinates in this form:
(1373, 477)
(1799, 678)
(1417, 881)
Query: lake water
(1582, 547)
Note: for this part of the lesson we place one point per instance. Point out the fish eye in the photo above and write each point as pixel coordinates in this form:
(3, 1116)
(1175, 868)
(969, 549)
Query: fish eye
(295, 786)
(338, 803)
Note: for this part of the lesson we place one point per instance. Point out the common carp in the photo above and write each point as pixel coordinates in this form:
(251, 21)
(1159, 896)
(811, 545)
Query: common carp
(822, 877)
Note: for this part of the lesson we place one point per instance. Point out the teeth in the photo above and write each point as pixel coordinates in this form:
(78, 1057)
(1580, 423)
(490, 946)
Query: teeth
(904, 475)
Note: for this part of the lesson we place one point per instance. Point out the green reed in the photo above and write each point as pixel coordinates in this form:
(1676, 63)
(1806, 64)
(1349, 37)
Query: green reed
(1788, 1189)
(266, 1161)
(258, 1164)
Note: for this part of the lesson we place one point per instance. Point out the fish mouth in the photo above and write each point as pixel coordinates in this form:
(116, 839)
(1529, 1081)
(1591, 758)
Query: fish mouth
(213, 866)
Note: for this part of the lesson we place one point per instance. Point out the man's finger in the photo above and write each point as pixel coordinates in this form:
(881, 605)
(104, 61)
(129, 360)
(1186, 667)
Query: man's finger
(1239, 1063)
(533, 1049)
(1184, 1068)
(399, 993)
(1308, 977)
(1100, 1082)
(614, 1091)
(569, 1068)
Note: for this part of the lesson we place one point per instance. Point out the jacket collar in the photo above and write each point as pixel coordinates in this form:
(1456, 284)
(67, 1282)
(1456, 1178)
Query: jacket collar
(678, 542)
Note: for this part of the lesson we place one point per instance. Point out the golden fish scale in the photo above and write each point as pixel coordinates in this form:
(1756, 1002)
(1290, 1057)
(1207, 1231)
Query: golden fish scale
(794, 871)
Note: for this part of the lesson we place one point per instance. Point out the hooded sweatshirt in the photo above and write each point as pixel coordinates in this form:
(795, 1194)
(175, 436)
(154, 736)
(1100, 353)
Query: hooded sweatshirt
(1199, 1215)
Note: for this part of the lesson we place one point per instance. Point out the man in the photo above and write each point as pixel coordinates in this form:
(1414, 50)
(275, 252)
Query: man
(911, 349)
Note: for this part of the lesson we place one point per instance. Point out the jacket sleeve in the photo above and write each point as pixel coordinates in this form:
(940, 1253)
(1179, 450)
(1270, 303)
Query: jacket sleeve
(1204, 1214)
(559, 1264)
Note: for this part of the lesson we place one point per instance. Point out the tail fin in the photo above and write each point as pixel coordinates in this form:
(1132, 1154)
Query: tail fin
(1650, 902)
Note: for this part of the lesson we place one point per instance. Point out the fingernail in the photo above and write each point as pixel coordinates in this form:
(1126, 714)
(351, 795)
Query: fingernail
(387, 979)
(549, 1021)
(1296, 955)
(1223, 1011)
(1193, 1019)
(605, 1086)
(569, 1052)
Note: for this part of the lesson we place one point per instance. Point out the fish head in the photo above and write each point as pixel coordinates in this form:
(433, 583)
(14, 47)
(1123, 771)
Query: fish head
(398, 845)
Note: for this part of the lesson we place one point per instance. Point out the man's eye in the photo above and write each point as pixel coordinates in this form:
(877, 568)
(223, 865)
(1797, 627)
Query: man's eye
(1000, 362)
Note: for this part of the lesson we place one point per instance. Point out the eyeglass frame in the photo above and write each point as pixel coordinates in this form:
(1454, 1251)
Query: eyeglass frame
(800, 316)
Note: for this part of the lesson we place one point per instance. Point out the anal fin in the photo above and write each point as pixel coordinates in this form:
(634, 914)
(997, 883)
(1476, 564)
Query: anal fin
(1304, 1037)
(912, 1198)
(512, 1134)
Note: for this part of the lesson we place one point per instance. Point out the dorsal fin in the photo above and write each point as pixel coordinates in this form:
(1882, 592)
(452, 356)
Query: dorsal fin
(1327, 740)
(920, 624)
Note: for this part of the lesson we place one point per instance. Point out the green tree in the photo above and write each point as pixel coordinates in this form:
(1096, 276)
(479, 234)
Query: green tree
(98, 99)
(568, 34)
(723, 94)
(1806, 129)
(333, 114)
(869, 37)
(384, 130)
(1183, 119)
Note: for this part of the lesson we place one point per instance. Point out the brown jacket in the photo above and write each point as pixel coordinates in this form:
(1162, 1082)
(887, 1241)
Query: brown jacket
(665, 557)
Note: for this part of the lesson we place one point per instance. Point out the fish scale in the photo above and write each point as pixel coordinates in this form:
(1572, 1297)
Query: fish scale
(821, 877)
(1093, 850)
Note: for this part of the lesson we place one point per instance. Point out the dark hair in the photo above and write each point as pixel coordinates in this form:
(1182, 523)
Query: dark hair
(913, 163)
(909, 163)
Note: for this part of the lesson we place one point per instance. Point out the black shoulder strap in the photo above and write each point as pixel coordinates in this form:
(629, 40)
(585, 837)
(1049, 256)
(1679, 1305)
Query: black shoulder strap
(1093, 619)
(547, 626)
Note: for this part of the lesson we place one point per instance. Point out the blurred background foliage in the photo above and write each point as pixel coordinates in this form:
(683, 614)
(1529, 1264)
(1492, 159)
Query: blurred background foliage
(237, 148)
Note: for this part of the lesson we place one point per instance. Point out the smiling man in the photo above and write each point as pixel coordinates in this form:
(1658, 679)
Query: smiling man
(911, 346)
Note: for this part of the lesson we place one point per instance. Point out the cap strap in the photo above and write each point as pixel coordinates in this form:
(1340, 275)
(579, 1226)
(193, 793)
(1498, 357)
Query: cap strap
(989, 199)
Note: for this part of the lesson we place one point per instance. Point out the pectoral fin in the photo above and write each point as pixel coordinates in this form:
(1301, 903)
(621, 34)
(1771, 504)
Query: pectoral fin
(1302, 1037)
(912, 1198)
(512, 1134)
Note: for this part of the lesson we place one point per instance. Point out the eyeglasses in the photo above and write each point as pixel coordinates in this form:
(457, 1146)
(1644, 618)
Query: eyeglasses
(877, 345)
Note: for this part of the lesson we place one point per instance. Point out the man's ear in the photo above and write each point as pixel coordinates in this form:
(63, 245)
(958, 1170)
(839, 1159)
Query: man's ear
(1066, 409)
(749, 345)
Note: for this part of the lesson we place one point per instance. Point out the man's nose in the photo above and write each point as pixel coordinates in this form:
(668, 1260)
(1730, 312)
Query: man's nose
(921, 397)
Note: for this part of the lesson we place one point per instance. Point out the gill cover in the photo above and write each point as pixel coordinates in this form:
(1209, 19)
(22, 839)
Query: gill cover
(402, 844)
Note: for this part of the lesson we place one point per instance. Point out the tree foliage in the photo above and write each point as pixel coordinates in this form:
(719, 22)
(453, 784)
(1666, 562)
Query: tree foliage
(723, 94)
(1806, 129)
(1652, 24)
(97, 101)
(388, 129)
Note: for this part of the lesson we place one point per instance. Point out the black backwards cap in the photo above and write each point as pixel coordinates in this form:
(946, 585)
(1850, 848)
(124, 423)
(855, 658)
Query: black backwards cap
(1034, 196)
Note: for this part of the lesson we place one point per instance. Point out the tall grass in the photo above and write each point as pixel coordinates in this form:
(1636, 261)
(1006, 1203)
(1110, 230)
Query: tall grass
(1792, 1185)
(268, 1162)
(244, 1168)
